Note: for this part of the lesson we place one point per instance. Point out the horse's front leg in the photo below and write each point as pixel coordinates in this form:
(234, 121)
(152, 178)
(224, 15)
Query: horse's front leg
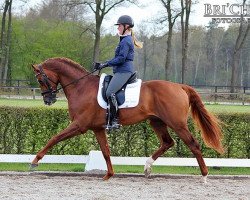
(71, 131)
(102, 140)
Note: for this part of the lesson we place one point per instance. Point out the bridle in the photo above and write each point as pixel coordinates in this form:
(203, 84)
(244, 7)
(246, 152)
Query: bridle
(46, 81)
(49, 95)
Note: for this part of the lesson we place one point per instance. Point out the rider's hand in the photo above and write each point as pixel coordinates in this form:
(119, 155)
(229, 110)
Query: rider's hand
(99, 66)
(103, 65)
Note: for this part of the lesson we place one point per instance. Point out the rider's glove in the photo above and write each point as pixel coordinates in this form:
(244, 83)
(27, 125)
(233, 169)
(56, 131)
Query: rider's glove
(99, 66)
(103, 65)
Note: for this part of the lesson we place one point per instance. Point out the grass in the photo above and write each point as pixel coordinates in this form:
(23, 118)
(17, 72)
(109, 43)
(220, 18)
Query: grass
(183, 170)
(216, 108)
(24, 167)
(31, 103)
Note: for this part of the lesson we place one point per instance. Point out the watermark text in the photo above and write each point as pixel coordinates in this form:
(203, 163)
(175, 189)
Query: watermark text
(227, 13)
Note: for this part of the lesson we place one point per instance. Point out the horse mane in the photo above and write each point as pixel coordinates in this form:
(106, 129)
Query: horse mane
(63, 63)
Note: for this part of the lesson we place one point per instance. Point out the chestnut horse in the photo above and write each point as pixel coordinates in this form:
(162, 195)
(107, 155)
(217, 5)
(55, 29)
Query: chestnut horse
(164, 104)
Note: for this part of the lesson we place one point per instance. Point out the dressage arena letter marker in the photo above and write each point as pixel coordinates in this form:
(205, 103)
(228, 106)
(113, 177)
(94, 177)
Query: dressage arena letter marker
(95, 161)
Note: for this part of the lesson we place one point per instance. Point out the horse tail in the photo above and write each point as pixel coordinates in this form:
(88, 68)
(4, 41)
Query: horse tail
(205, 121)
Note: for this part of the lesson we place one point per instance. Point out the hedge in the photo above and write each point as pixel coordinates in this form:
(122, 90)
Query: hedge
(27, 130)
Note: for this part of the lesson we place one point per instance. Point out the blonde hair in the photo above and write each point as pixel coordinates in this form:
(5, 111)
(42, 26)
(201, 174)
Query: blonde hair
(137, 43)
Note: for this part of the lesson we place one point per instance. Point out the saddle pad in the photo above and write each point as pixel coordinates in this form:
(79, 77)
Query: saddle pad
(132, 94)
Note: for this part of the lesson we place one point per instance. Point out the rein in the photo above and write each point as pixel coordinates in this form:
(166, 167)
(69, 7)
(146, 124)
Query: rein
(74, 81)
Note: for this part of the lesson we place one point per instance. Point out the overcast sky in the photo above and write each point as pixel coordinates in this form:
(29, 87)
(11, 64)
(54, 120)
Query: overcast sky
(151, 10)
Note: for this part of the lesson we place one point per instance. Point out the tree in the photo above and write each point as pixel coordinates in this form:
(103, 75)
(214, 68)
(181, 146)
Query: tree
(142, 57)
(60, 10)
(213, 41)
(171, 17)
(185, 12)
(243, 32)
(5, 41)
(100, 8)
(196, 55)
(35, 40)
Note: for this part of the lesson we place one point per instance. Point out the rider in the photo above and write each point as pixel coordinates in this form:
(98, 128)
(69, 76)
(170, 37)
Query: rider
(122, 65)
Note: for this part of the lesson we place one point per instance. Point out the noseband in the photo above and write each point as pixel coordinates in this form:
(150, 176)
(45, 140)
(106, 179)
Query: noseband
(50, 93)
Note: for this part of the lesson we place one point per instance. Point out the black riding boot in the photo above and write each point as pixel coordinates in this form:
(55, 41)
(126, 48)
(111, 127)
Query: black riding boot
(113, 113)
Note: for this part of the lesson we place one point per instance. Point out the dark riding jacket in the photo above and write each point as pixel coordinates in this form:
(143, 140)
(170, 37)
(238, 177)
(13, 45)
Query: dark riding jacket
(124, 56)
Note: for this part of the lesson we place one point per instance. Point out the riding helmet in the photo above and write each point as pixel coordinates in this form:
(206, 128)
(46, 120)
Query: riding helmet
(125, 19)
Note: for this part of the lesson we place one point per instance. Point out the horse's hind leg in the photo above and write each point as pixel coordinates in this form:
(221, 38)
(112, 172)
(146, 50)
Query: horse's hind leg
(166, 142)
(72, 130)
(194, 146)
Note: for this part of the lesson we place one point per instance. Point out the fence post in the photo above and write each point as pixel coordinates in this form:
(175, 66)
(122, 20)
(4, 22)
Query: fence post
(18, 87)
(34, 93)
(215, 93)
(243, 96)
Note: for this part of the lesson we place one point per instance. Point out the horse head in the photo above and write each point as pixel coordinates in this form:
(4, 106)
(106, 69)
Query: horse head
(48, 83)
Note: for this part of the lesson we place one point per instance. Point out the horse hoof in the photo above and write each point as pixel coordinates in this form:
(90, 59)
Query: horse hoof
(32, 166)
(147, 172)
(106, 177)
(204, 179)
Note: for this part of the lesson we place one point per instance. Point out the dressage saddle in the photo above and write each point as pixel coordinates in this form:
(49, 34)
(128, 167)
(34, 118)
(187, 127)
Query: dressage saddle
(120, 95)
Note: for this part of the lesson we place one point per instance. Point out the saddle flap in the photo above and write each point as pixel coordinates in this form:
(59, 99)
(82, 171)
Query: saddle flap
(105, 84)
(120, 94)
(133, 78)
(127, 97)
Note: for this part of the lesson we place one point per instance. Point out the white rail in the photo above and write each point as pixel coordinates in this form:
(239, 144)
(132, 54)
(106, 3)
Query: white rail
(96, 157)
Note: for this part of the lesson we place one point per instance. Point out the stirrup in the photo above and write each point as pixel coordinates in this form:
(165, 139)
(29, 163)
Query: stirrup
(115, 123)
(116, 126)
(109, 127)
(113, 126)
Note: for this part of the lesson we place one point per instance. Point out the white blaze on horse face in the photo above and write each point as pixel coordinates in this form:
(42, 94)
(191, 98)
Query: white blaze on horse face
(147, 167)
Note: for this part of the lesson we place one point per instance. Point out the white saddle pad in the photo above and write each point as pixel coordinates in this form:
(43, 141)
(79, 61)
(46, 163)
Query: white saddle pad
(132, 94)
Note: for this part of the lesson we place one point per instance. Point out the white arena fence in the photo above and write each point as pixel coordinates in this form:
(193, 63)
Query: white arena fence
(95, 160)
